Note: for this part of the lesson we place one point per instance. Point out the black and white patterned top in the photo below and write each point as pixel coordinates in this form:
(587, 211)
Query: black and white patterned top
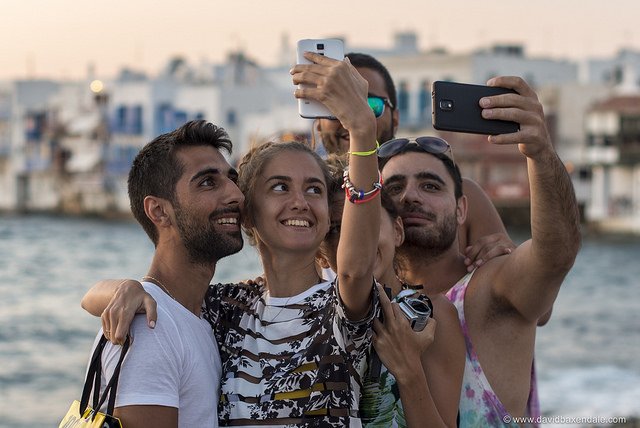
(292, 361)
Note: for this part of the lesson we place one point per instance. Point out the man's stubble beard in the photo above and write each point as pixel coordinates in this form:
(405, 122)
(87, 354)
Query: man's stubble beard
(204, 244)
(431, 243)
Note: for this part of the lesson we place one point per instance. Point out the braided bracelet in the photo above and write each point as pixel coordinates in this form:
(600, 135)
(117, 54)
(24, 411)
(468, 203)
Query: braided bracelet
(360, 196)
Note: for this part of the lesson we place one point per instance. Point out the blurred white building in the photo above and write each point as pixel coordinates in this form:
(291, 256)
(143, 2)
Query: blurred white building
(66, 147)
(614, 151)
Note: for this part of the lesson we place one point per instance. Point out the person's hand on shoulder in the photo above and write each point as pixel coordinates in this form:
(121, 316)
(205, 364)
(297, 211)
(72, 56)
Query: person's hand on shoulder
(129, 299)
(486, 248)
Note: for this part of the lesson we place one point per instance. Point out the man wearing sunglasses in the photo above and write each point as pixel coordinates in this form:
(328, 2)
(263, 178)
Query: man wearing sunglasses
(382, 99)
(500, 303)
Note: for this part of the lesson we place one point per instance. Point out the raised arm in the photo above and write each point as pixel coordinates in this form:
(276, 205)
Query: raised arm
(341, 88)
(117, 301)
(529, 279)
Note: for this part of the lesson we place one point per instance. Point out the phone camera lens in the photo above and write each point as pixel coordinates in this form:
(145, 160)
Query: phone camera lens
(320, 46)
(446, 105)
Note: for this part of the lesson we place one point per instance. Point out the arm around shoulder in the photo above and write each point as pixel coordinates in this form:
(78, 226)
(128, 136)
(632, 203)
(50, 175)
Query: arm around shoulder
(482, 236)
(100, 294)
(482, 217)
(117, 302)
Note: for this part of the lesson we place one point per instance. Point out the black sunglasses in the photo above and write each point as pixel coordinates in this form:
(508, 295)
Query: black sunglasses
(433, 145)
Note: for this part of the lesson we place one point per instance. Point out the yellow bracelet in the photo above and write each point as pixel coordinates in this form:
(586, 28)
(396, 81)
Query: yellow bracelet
(368, 153)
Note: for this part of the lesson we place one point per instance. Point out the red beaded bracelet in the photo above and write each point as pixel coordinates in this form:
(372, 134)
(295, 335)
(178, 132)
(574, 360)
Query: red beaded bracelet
(360, 196)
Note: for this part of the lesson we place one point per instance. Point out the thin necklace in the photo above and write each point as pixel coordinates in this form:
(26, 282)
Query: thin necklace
(281, 309)
(158, 283)
(273, 319)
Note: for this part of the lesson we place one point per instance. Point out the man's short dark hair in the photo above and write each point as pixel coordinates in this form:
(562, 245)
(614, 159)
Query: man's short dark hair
(360, 60)
(452, 168)
(156, 169)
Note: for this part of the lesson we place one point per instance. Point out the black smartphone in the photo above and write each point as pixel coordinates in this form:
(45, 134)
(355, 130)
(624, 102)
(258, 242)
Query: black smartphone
(455, 107)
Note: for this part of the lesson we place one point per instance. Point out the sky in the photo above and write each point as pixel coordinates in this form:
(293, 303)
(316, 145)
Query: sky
(59, 38)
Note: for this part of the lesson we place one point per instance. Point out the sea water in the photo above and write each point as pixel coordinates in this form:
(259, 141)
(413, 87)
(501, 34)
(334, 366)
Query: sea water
(587, 356)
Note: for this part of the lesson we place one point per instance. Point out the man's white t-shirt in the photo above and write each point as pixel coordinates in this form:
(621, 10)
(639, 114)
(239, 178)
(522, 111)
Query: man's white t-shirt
(176, 364)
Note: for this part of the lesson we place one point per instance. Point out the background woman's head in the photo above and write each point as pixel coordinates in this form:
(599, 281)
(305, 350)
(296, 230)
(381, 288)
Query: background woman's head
(391, 232)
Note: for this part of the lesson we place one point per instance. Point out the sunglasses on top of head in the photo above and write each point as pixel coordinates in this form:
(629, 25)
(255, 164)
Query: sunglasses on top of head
(433, 145)
(377, 104)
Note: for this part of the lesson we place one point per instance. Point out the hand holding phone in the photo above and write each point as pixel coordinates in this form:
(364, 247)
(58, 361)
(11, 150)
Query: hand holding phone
(455, 107)
(332, 48)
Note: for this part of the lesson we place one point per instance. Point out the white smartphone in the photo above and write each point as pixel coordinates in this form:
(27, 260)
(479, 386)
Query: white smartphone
(332, 48)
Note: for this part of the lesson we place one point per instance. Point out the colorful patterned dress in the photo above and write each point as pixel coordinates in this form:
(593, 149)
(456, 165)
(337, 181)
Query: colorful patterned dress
(380, 405)
(292, 361)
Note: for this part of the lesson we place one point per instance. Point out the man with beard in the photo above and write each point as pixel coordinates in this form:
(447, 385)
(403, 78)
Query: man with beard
(483, 235)
(184, 194)
(500, 302)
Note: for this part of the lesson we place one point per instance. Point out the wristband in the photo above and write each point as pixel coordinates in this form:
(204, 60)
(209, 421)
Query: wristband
(367, 153)
(360, 196)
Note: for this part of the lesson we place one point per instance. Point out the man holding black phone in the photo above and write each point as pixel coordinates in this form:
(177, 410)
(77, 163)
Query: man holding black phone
(482, 226)
(501, 302)
(483, 235)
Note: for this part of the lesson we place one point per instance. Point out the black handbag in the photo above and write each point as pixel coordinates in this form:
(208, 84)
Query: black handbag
(80, 414)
